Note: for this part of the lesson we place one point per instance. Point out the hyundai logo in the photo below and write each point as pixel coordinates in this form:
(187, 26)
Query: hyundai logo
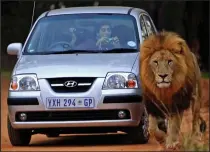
(70, 84)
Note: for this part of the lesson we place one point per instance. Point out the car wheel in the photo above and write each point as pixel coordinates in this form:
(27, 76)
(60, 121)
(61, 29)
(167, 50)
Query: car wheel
(140, 134)
(18, 137)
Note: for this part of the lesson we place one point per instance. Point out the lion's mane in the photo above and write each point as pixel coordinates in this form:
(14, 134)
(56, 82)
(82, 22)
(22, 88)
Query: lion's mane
(184, 74)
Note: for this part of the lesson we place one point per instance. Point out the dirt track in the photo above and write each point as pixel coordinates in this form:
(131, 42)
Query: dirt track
(86, 142)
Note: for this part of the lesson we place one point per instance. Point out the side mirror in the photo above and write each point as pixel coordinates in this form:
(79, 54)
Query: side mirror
(14, 48)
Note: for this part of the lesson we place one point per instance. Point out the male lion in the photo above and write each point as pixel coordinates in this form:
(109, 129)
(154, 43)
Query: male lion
(170, 79)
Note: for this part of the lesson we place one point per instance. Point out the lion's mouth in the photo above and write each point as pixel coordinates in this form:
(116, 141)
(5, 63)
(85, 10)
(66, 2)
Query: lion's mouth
(163, 84)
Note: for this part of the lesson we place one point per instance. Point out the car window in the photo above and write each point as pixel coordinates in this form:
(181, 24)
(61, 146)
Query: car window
(95, 32)
(143, 28)
(148, 23)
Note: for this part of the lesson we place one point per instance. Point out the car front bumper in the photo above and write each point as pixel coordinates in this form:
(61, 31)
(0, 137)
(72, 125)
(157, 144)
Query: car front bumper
(106, 100)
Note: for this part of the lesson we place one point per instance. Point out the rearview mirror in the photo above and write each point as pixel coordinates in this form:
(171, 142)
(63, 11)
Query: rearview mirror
(14, 48)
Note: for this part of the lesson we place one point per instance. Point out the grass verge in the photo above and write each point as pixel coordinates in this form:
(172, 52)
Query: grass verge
(190, 144)
(205, 75)
(6, 73)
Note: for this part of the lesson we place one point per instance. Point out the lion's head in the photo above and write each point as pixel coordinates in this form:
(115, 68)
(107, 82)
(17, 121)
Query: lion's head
(162, 64)
(166, 64)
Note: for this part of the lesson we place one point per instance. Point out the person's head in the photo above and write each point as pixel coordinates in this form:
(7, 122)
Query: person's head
(104, 30)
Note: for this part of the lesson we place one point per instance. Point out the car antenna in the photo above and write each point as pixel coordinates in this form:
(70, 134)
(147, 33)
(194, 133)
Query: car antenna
(32, 18)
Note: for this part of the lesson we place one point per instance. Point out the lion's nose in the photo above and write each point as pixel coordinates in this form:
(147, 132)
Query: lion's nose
(163, 75)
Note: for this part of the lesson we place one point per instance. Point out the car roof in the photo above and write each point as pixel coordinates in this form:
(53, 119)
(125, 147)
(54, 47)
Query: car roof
(93, 9)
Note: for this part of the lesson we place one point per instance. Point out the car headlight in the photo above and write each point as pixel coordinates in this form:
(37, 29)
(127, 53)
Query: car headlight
(120, 81)
(27, 82)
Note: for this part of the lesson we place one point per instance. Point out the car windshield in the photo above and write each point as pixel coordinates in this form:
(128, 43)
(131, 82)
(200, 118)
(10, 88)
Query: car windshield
(84, 33)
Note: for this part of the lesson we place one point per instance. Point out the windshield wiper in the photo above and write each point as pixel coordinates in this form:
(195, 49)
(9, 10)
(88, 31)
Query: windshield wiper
(117, 50)
(73, 51)
(120, 50)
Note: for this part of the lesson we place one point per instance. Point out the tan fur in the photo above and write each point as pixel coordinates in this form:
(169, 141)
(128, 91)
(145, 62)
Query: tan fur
(183, 71)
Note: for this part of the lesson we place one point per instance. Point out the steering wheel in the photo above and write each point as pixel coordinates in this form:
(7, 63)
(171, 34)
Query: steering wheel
(64, 44)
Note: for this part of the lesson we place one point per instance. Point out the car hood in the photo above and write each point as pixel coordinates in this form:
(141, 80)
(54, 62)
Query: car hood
(75, 65)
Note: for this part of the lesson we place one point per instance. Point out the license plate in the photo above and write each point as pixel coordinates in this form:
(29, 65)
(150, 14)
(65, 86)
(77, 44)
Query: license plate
(70, 103)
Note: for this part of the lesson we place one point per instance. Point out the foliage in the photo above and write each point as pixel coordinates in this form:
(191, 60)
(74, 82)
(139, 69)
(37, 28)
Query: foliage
(206, 75)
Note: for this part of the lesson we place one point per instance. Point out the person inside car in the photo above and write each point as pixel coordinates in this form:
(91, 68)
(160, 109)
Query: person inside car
(104, 39)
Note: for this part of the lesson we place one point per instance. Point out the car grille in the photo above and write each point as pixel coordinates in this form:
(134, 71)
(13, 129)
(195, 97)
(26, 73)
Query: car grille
(83, 84)
(73, 115)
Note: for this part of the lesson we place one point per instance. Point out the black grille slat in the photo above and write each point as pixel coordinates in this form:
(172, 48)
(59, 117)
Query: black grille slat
(73, 115)
(22, 101)
(63, 89)
(78, 79)
(123, 99)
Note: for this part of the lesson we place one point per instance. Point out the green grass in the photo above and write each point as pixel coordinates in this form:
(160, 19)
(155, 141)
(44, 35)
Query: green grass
(5, 73)
(189, 144)
(205, 75)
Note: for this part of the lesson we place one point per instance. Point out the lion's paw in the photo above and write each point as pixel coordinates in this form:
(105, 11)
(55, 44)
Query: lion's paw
(172, 145)
(198, 136)
(160, 136)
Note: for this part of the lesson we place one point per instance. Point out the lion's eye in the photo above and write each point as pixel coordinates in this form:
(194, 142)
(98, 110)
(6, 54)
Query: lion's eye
(170, 62)
(156, 62)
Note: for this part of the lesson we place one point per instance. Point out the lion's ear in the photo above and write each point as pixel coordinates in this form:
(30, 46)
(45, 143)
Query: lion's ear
(182, 47)
(181, 50)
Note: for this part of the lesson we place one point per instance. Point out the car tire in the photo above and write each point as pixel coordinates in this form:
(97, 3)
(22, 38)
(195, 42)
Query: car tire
(140, 134)
(18, 137)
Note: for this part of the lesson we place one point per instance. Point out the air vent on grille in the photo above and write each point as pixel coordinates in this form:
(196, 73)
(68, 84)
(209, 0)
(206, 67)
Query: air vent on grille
(82, 84)
(73, 115)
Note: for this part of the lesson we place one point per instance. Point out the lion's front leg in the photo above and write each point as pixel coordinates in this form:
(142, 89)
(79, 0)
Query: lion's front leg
(155, 131)
(174, 124)
(197, 123)
(196, 117)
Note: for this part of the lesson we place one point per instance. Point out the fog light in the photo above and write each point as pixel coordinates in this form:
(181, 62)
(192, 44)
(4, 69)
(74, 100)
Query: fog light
(121, 114)
(23, 116)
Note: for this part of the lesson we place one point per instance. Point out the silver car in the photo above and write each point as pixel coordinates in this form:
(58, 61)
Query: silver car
(78, 73)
